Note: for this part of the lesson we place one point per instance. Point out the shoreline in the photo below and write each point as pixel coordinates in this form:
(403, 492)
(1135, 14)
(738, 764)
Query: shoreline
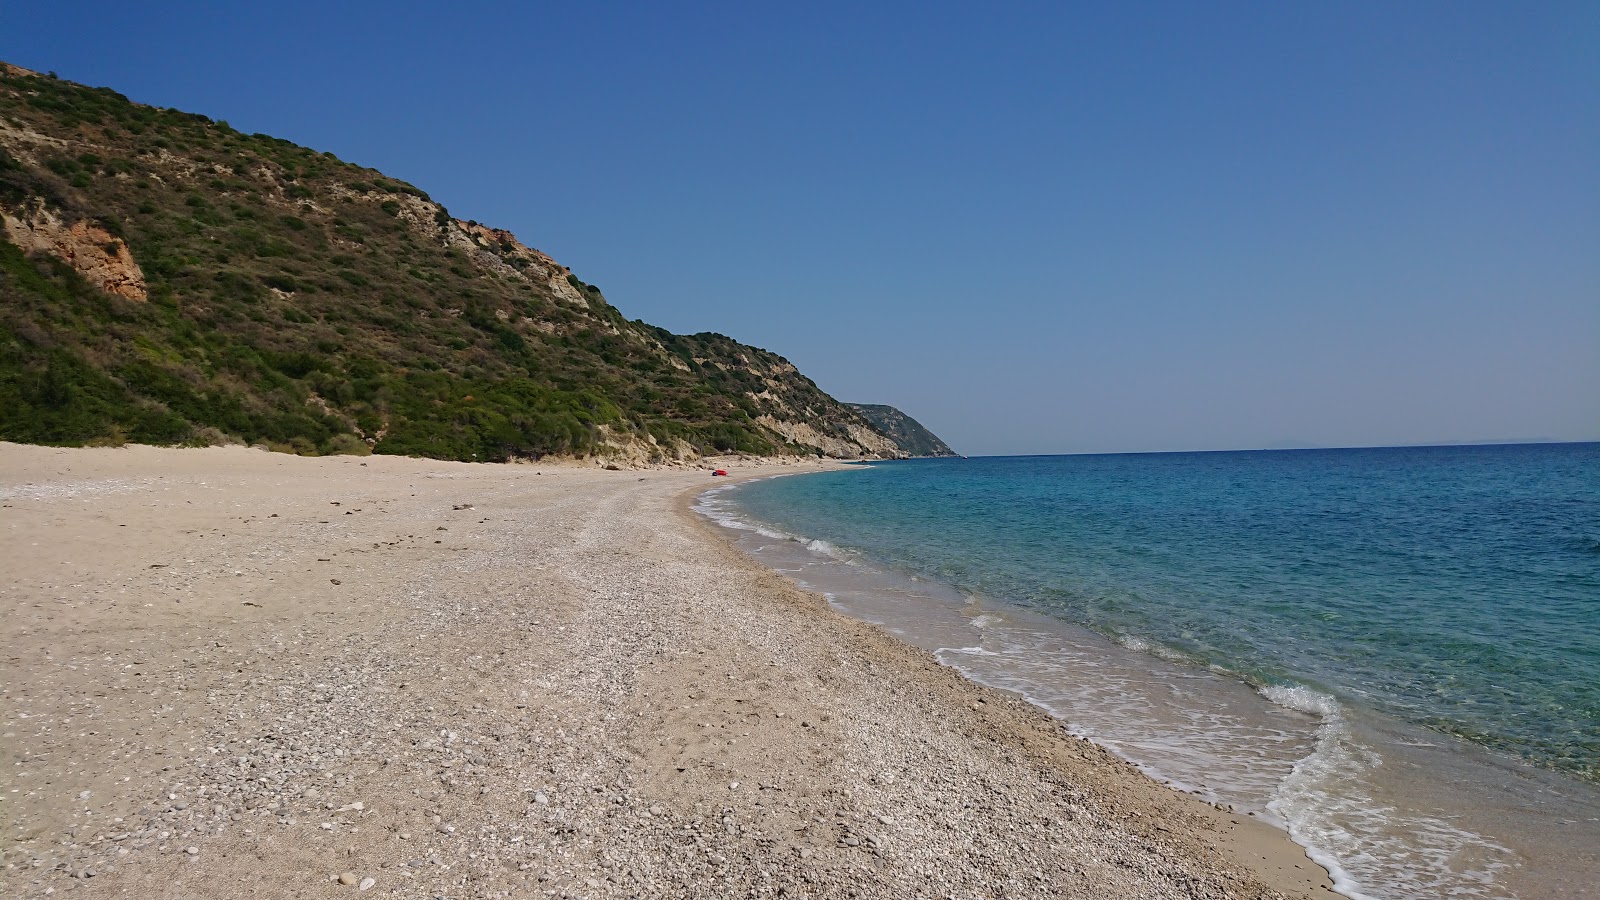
(1387, 806)
(1255, 844)
(234, 673)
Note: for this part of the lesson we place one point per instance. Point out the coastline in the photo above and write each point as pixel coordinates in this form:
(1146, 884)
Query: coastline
(1267, 851)
(233, 673)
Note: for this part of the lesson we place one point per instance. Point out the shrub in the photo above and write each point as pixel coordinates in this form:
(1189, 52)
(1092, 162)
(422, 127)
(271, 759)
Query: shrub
(280, 281)
(345, 444)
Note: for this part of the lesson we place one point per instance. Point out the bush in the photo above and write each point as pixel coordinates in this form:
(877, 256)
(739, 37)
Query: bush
(347, 445)
(280, 281)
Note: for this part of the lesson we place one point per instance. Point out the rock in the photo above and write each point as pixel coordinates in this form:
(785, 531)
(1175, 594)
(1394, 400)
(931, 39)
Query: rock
(348, 878)
(540, 798)
(367, 884)
(100, 257)
(192, 851)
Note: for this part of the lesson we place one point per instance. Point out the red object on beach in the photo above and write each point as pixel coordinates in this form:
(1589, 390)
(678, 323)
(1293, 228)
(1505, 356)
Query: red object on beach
(719, 472)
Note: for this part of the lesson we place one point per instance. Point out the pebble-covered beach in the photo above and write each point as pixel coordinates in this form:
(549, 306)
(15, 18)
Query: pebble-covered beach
(230, 673)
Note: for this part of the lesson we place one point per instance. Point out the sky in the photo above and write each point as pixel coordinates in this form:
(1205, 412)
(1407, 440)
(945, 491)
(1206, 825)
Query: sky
(1037, 228)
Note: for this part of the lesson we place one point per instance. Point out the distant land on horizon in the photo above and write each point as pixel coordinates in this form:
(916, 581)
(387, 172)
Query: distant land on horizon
(1289, 449)
(170, 280)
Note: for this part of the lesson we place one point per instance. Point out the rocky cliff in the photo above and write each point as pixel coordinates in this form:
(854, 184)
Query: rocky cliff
(906, 432)
(167, 279)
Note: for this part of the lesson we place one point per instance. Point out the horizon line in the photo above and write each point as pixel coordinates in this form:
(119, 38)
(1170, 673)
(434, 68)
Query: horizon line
(1421, 446)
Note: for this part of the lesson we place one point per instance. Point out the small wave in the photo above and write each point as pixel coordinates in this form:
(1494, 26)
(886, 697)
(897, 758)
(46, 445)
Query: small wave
(826, 549)
(718, 511)
(738, 524)
(969, 651)
(984, 620)
(1302, 699)
(1140, 645)
(1363, 843)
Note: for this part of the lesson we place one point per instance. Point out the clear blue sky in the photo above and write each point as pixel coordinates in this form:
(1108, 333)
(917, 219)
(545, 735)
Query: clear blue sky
(1048, 228)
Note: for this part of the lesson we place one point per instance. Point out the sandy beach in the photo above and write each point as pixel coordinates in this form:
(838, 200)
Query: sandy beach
(231, 673)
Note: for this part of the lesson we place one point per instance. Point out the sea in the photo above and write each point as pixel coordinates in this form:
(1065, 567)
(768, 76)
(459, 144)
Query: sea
(1392, 653)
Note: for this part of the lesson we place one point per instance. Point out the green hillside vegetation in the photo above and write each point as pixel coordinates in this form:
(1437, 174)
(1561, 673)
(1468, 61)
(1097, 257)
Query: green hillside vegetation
(313, 305)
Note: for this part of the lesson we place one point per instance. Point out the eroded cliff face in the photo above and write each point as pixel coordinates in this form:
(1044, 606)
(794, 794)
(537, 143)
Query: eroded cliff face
(495, 250)
(857, 441)
(502, 249)
(102, 258)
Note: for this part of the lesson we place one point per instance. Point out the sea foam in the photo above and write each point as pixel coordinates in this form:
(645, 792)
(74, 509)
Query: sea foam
(1373, 850)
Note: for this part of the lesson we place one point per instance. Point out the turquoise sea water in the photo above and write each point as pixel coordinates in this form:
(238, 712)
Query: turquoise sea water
(1421, 609)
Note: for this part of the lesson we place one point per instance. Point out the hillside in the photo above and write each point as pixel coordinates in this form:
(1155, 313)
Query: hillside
(905, 431)
(167, 279)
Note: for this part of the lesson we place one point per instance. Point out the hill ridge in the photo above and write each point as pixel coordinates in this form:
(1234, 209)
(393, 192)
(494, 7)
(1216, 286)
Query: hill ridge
(169, 279)
(907, 433)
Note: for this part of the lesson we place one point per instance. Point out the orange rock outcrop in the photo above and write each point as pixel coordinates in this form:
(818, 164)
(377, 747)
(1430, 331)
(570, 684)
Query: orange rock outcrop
(103, 259)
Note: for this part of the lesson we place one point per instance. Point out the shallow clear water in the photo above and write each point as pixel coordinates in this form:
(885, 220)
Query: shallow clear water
(1393, 652)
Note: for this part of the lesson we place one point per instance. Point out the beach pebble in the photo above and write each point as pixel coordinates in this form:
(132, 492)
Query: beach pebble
(331, 705)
